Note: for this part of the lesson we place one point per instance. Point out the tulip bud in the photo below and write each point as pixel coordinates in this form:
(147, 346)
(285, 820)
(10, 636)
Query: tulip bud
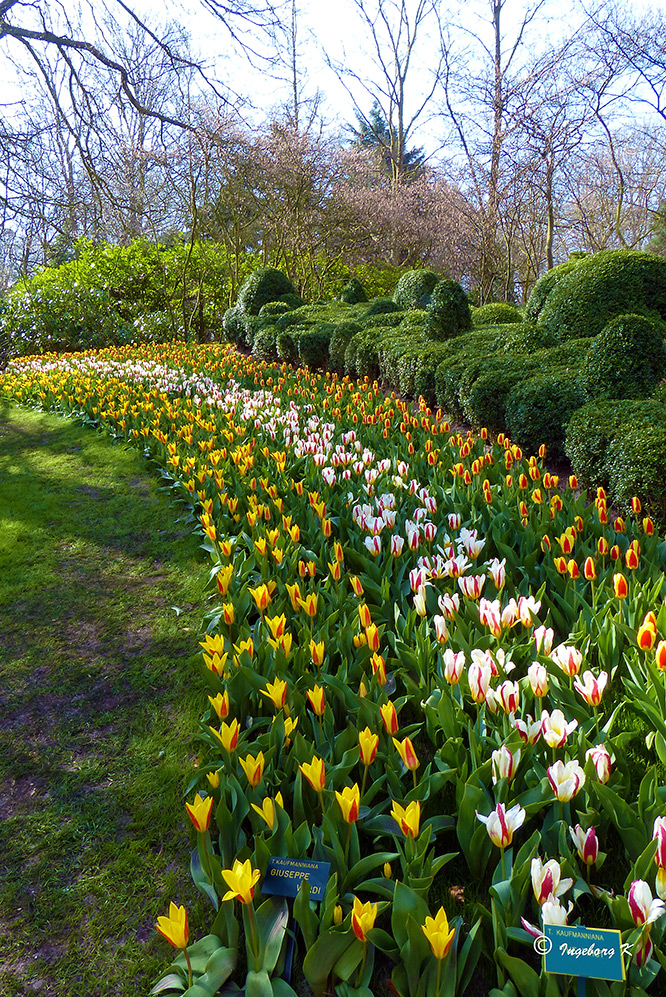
(337, 914)
(586, 844)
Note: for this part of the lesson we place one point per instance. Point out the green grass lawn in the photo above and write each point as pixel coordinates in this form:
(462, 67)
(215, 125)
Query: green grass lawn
(99, 697)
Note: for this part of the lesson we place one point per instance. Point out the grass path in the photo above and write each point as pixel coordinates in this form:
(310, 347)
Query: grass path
(99, 697)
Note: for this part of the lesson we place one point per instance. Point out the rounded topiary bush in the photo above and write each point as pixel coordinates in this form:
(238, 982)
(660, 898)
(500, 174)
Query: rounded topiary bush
(597, 288)
(414, 288)
(384, 321)
(626, 360)
(362, 355)
(545, 284)
(485, 404)
(353, 293)
(382, 306)
(292, 300)
(448, 312)
(538, 410)
(260, 288)
(498, 313)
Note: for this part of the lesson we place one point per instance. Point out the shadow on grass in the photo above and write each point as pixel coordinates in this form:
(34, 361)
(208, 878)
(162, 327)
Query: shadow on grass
(100, 698)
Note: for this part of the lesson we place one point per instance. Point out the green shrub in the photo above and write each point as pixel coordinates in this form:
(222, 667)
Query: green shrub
(287, 319)
(635, 465)
(384, 321)
(626, 360)
(414, 288)
(265, 344)
(313, 347)
(597, 288)
(659, 394)
(527, 337)
(353, 293)
(414, 321)
(338, 344)
(362, 355)
(544, 286)
(273, 308)
(233, 325)
(593, 428)
(292, 300)
(485, 405)
(539, 408)
(448, 313)
(571, 354)
(287, 345)
(463, 359)
(498, 313)
(382, 306)
(262, 286)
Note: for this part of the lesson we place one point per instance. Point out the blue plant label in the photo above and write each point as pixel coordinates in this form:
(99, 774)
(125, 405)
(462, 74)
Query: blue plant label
(284, 876)
(595, 953)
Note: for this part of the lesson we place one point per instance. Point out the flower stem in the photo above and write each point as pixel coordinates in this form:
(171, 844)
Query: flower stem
(189, 967)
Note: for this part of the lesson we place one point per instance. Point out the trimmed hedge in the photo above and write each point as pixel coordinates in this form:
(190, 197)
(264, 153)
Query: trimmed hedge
(635, 465)
(414, 288)
(261, 287)
(338, 344)
(353, 293)
(448, 313)
(593, 428)
(582, 299)
(496, 313)
(627, 359)
(539, 408)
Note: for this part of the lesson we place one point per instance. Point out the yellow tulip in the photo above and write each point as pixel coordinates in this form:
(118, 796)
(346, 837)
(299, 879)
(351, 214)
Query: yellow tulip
(267, 809)
(220, 704)
(348, 801)
(277, 625)
(363, 918)
(368, 742)
(276, 692)
(253, 768)
(406, 751)
(200, 811)
(174, 927)
(439, 934)
(407, 818)
(241, 881)
(261, 596)
(315, 773)
(317, 700)
(317, 652)
(227, 734)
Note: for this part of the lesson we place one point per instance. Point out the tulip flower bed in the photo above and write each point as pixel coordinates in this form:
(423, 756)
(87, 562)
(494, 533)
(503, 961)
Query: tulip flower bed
(431, 665)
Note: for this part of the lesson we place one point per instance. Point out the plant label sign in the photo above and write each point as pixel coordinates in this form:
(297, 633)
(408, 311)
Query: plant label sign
(284, 876)
(592, 953)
